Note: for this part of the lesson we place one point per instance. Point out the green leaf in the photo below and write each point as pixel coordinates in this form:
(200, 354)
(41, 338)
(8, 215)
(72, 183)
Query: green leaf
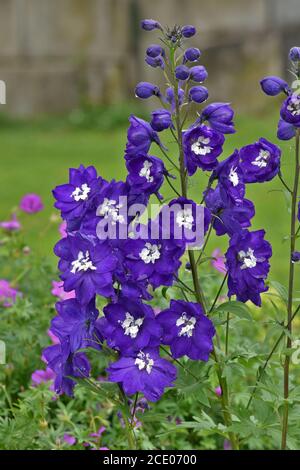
(281, 290)
(236, 308)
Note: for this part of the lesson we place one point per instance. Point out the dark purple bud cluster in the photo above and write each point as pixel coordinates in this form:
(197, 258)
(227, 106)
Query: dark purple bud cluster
(289, 120)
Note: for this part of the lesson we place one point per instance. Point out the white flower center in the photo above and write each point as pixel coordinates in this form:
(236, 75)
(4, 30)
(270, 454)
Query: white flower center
(131, 326)
(184, 218)
(110, 209)
(262, 159)
(82, 263)
(144, 361)
(81, 193)
(233, 177)
(247, 258)
(294, 105)
(188, 325)
(150, 253)
(201, 147)
(146, 171)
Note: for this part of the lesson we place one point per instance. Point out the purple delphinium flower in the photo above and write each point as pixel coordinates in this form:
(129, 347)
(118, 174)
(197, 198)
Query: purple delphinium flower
(140, 136)
(247, 261)
(182, 72)
(218, 391)
(260, 161)
(202, 145)
(187, 330)
(153, 259)
(31, 203)
(145, 90)
(188, 31)
(192, 54)
(219, 116)
(77, 323)
(296, 257)
(155, 50)
(145, 174)
(150, 25)
(66, 365)
(153, 62)
(129, 325)
(161, 120)
(113, 203)
(198, 94)
(198, 73)
(285, 131)
(218, 261)
(272, 86)
(75, 198)
(12, 225)
(129, 286)
(230, 177)
(86, 266)
(229, 216)
(110, 206)
(143, 371)
(8, 294)
(290, 110)
(294, 54)
(182, 220)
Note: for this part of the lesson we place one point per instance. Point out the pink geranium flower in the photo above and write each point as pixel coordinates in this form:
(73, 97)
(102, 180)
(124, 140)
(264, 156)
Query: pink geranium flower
(218, 261)
(11, 225)
(63, 229)
(58, 291)
(31, 203)
(8, 294)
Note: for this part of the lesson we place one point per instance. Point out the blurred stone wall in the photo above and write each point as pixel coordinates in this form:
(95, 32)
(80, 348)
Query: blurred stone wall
(56, 53)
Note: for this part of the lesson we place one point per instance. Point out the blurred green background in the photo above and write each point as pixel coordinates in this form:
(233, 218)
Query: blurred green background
(36, 156)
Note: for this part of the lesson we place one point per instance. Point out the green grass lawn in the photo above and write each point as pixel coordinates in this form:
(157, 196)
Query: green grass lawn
(35, 159)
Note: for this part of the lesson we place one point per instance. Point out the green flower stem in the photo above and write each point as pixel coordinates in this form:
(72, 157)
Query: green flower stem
(198, 290)
(225, 402)
(290, 293)
(126, 417)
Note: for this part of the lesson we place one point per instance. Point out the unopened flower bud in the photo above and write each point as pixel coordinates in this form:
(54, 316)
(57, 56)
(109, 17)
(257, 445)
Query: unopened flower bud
(150, 25)
(155, 50)
(294, 54)
(145, 90)
(192, 54)
(188, 31)
(198, 73)
(161, 120)
(296, 257)
(155, 61)
(182, 72)
(272, 86)
(198, 94)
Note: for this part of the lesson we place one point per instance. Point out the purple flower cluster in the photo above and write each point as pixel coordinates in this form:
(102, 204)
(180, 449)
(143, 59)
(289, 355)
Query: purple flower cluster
(247, 259)
(127, 268)
(289, 120)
